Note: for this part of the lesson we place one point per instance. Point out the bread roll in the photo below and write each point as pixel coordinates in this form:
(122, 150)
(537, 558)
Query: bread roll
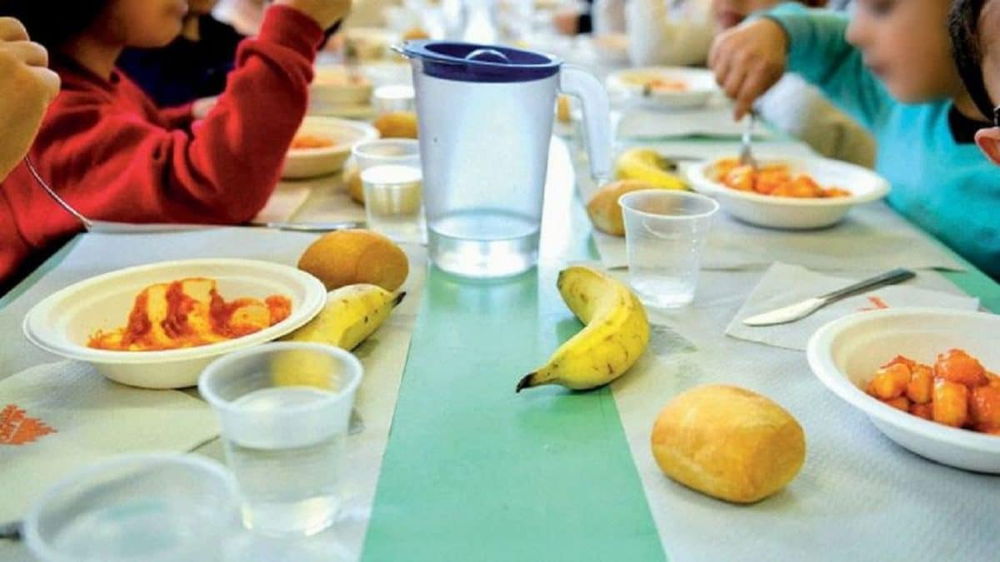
(352, 180)
(348, 257)
(397, 124)
(604, 210)
(728, 442)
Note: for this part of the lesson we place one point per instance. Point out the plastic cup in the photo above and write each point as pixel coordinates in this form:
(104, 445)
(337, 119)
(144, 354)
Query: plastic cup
(393, 98)
(392, 181)
(150, 507)
(665, 232)
(284, 409)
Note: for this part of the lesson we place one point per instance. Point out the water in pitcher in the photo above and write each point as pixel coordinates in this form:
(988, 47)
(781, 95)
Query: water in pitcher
(484, 243)
(287, 489)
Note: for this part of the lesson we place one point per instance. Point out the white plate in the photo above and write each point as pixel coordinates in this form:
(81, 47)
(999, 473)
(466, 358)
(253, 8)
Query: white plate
(63, 322)
(845, 354)
(312, 162)
(628, 84)
(789, 212)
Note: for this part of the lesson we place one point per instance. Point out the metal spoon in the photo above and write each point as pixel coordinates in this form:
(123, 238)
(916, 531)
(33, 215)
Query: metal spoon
(746, 151)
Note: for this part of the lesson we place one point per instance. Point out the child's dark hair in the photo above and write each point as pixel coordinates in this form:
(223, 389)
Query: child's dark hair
(966, 48)
(54, 22)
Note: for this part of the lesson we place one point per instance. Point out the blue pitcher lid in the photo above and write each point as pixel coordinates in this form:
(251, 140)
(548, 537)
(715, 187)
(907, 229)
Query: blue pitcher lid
(471, 62)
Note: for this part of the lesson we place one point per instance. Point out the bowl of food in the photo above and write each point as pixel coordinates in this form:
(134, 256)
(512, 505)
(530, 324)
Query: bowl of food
(663, 87)
(925, 377)
(336, 87)
(322, 145)
(159, 325)
(788, 193)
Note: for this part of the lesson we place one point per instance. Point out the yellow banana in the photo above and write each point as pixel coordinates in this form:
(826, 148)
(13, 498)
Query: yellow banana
(351, 314)
(615, 336)
(647, 165)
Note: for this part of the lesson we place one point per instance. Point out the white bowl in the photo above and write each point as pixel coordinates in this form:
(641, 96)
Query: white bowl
(845, 353)
(371, 43)
(333, 88)
(62, 323)
(628, 84)
(312, 162)
(790, 212)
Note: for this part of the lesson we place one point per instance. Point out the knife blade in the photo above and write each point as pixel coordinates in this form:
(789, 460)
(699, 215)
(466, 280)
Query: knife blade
(801, 309)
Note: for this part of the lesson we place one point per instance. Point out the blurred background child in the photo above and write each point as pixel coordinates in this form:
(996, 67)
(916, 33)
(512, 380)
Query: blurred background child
(192, 66)
(682, 34)
(114, 155)
(890, 67)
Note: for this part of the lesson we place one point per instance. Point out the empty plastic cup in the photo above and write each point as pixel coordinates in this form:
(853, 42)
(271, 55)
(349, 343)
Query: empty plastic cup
(665, 232)
(151, 507)
(284, 410)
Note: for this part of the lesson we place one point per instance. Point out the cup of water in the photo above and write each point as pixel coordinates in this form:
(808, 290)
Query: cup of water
(284, 410)
(392, 178)
(392, 98)
(149, 507)
(665, 232)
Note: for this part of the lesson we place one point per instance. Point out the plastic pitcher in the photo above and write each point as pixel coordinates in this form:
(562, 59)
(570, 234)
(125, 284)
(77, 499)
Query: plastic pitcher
(485, 119)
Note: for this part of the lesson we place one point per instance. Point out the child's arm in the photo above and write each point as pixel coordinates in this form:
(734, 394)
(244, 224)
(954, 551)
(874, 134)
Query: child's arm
(223, 170)
(655, 39)
(818, 51)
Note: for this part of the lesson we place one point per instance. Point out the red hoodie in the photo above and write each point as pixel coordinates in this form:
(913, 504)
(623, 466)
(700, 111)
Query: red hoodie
(113, 155)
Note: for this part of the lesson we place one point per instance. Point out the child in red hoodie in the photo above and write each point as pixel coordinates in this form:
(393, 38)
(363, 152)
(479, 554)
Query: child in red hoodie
(112, 154)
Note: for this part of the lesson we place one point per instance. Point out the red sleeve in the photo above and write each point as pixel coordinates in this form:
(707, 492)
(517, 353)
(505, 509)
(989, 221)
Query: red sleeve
(116, 164)
(178, 117)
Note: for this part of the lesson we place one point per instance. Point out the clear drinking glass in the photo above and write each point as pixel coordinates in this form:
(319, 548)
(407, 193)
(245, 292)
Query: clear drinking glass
(665, 232)
(149, 507)
(392, 181)
(392, 98)
(284, 410)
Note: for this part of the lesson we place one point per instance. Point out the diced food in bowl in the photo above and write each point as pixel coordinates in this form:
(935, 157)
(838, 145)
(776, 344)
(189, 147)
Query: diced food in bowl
(775, 179)
(189, 312)
(307, 141)
(664, 85)
(956, 391)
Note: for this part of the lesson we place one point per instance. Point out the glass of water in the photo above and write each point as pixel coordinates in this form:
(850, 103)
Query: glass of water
(153, 507)
(284, 410)
(392, 178)
(665, 232)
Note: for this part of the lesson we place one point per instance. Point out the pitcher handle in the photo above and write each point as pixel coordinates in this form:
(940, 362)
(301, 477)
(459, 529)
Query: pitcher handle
(596, 117)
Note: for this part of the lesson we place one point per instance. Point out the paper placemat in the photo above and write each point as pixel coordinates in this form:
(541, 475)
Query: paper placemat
(784, 284)
(383, 355)
(712, 121)
(871, 237)
(58, 417)
(330, 202)
(286, 200)
(858, 496)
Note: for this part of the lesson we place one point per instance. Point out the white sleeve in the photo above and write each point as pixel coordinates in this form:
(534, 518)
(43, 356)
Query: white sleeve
(656, 38)
(800, 109)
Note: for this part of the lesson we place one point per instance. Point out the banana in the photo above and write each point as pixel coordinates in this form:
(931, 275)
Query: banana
(615, 335)
(648, 165)
(352, 313)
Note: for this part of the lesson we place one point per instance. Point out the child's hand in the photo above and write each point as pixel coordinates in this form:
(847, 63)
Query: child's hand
(27, 87)
(325, 12)
(748, 60)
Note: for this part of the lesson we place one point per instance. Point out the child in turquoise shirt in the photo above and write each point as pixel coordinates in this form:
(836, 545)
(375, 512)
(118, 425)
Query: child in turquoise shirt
(890, 68)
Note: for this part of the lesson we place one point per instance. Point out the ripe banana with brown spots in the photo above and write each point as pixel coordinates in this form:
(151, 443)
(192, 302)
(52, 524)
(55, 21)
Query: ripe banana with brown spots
(615, 336)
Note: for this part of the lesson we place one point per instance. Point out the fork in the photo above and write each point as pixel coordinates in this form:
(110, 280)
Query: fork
(109, 227)
(746, 151)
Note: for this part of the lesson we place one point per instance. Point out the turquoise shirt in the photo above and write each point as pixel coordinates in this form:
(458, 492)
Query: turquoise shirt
(949, 189)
